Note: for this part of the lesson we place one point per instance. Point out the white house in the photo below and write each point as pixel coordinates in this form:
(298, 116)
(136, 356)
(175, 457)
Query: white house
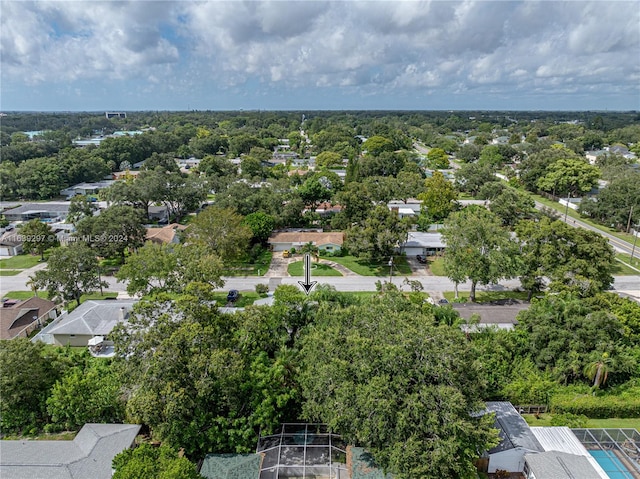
(423, 244)
(516, 439)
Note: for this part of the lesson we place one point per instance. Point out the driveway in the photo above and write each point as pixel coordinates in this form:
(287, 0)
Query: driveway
(278, 266)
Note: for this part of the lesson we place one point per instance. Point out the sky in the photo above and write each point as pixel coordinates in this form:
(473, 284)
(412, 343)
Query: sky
(317, 55)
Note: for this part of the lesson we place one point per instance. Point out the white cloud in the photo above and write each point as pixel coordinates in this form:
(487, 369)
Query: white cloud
(377, 45)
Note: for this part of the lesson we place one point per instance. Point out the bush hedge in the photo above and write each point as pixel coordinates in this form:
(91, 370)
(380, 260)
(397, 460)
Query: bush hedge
(596, 407)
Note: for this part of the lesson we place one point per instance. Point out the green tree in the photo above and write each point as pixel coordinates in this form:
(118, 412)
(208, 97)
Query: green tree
(617, 202)
(478, 247)
(71, 272)
(567, 337)
(147, 460)
(377, 375)
(327, 159)
(37, 237)
(377, 144)
(513, 205)
(437, 159)
(261, 225)
(569, 176)
(377, 236)
(158, 268)
(571, 258)
(89, 394)
(440, 197)
(222, 231)
(24, 389)
(113, 231)
(472, 176)
(80, 207)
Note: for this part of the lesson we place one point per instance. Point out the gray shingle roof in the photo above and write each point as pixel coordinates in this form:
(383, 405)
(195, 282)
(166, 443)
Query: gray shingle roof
(89, 455)
(560, 465)
(514, 430)
(94, 317)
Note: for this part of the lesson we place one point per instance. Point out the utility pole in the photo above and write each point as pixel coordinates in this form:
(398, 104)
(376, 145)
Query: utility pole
(635, 238)
(390, 269)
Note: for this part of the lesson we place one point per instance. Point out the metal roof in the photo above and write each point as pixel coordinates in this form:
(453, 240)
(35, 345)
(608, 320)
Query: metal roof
(562, 439)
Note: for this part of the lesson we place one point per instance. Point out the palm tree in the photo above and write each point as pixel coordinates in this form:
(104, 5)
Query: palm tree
(598, 371)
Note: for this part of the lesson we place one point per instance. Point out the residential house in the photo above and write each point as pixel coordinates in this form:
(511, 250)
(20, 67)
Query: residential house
(423, 244)
(324, 241)
(89, 455)
(92, 318)
(10, 244)
(165, 235)
(21, 317)
(49, 211)
(559, 465)
(562, 447)
(516, 439)
(404, 209)
(86, 188)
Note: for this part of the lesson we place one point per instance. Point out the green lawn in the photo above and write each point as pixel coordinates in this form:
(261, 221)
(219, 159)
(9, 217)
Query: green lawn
(246, 298)
(626, 258)
(437, 266)
(22, 261)
(365, 268)
(297, 269)
(486, 296)
(9, 272)
(246, 268)
(621, 267)
(25, 294)
(545, 420)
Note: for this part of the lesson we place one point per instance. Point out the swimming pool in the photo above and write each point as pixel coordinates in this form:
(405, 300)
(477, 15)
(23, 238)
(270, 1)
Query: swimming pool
(611, 464)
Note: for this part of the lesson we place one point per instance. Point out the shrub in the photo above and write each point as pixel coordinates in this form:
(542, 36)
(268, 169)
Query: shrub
(262, 288)
(605, 406)
(569, 420)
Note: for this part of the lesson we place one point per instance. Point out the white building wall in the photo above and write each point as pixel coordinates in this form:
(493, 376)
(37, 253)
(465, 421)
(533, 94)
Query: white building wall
(511, 460)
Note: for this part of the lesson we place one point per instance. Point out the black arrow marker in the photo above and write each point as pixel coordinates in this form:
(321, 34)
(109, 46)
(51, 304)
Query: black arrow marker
(307, 284)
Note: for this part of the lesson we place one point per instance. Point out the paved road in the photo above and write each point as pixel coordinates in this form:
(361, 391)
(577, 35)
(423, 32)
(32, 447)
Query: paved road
(629, 284)
(617, 243)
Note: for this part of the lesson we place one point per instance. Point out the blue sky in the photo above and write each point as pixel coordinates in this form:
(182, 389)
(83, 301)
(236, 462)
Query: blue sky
(279, 55)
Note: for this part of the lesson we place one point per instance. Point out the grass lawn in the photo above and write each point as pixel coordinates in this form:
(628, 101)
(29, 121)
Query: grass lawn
(486, 296)
(297, 269)
(365, 268)
(246, 268)
(626, 258)
(574, 214)
(25, 295)
(621, 267)
(545, 420)
(437, 266)
(246, 298)
(9, 272)
(22, 261)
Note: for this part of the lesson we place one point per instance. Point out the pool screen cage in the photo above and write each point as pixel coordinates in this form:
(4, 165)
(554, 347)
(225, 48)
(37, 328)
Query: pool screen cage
(622, 443)
(303, 451)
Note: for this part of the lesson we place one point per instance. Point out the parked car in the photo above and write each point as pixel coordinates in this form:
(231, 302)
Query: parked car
(233, 296)
(443, 301)
(421, 259)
